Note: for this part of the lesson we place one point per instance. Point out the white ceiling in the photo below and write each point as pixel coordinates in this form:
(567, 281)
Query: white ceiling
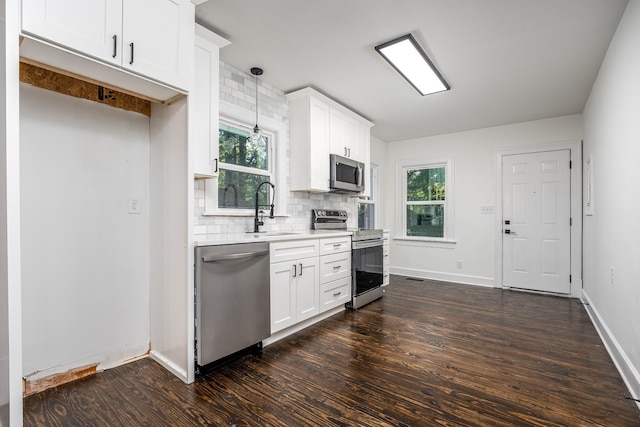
(507, 61)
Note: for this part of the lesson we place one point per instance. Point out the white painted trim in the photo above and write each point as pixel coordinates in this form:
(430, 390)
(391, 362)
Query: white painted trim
(627, 371)
(575, 147)
(300, 326)
(10, 264)
(169, 365)
(443, 277)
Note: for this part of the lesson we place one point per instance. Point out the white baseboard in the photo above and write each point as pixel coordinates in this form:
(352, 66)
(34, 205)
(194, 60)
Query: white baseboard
(169, 365)
(629, 373)
(444, 277)
(300, 326)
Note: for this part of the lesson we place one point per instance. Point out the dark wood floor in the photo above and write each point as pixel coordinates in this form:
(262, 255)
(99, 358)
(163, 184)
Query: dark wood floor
(427, 354)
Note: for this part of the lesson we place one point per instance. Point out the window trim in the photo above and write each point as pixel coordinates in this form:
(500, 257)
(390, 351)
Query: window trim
(401, 198)
(373, 194)
(279, 143)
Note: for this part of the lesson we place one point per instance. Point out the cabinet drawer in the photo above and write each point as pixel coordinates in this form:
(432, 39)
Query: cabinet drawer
(335, 244)
(293, 250)
(335, 293)
(335, 266)
(385, 255)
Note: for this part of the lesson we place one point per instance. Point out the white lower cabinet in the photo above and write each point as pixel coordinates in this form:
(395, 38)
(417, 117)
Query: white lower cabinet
(335, 293)
(385, 257)
(335, 272)
(308, 277)
(295, 294)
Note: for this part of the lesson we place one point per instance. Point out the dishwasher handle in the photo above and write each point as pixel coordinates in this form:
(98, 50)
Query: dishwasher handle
(236, 256)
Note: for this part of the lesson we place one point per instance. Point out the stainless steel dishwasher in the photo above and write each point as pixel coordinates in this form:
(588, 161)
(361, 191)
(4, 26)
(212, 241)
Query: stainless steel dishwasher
(232, 299)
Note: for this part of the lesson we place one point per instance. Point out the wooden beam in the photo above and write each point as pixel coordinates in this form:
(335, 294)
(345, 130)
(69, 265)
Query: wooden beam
(66, 83)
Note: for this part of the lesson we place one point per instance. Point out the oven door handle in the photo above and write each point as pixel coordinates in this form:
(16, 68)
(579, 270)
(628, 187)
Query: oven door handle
(366, 244)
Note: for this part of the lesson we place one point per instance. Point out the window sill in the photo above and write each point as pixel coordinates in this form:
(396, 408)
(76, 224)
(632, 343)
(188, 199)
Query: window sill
(424, 241)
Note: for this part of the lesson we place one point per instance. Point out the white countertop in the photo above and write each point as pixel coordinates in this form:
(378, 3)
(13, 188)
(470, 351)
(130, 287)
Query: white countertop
(269, 236)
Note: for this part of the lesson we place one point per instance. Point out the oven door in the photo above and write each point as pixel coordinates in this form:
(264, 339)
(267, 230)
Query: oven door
(366, 265)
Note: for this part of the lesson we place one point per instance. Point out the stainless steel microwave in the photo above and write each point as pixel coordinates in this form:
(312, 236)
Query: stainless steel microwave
(346, 176)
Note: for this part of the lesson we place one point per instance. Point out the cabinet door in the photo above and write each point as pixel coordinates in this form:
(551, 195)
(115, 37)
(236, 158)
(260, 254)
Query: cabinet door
(318, 162)
(307, 289)
(283, 295)
(338, 133)
(204, 108)
(158, 38)
(351, 139)
(87, 26)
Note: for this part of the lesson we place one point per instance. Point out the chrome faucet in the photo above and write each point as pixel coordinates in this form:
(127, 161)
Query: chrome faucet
(258, 222)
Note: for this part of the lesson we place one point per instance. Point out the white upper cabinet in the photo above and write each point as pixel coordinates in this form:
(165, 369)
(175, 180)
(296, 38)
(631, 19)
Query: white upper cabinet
(309, 136)
(152, 38)
(204, 103)
(319, 126)
(87, 26)
(344, 130)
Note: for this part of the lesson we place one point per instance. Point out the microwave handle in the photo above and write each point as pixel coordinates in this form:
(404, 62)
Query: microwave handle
(359, 176)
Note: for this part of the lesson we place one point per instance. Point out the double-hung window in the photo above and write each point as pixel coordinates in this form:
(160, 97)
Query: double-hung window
(243, 165)
(367, 206)
(426, 200)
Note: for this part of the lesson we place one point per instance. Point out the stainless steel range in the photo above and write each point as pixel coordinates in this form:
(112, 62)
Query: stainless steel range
(366, 255)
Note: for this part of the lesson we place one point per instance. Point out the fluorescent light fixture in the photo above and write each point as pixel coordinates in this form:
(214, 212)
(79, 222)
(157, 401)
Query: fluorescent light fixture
(408, 58)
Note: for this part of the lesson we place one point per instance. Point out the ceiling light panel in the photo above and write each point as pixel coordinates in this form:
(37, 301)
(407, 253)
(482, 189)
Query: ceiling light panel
(408, 58)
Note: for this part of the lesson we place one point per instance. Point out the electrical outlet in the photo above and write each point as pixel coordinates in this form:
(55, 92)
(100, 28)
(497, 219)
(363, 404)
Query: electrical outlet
(459, 265)
(486, 210)
(134, 205)
(613, 278)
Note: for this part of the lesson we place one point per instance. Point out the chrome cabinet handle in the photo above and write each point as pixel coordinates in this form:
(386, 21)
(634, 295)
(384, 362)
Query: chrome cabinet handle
(336, 294)
(336, 245)
(115, 45)
(294, 271)
(131, 45)
(300, 274)
(336, 267)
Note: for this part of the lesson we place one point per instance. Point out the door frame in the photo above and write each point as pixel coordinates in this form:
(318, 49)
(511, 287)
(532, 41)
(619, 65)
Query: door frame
(575, 148)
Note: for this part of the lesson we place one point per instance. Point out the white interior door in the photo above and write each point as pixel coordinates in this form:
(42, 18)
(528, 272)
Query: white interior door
(536, 192)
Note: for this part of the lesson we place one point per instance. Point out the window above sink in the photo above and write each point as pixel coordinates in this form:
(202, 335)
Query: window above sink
(244, 165)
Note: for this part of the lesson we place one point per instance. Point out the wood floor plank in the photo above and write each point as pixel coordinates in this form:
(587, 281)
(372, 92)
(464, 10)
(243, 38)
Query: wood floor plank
(428, 353)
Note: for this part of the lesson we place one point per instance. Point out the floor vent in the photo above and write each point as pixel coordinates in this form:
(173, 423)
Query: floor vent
(415, 279)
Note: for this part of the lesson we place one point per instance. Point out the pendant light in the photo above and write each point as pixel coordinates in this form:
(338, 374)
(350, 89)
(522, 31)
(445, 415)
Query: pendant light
(257, 137)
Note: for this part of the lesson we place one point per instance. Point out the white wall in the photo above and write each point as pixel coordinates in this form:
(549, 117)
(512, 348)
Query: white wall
(85, 260)
(474, 156)
(612, 234)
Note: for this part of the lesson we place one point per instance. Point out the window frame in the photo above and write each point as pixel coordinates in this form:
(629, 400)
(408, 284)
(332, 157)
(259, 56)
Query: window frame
(401, 199)
(373, 193)
(241, 118)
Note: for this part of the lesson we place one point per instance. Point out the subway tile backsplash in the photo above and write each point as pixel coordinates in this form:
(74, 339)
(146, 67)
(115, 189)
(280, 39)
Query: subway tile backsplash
(238, 88)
